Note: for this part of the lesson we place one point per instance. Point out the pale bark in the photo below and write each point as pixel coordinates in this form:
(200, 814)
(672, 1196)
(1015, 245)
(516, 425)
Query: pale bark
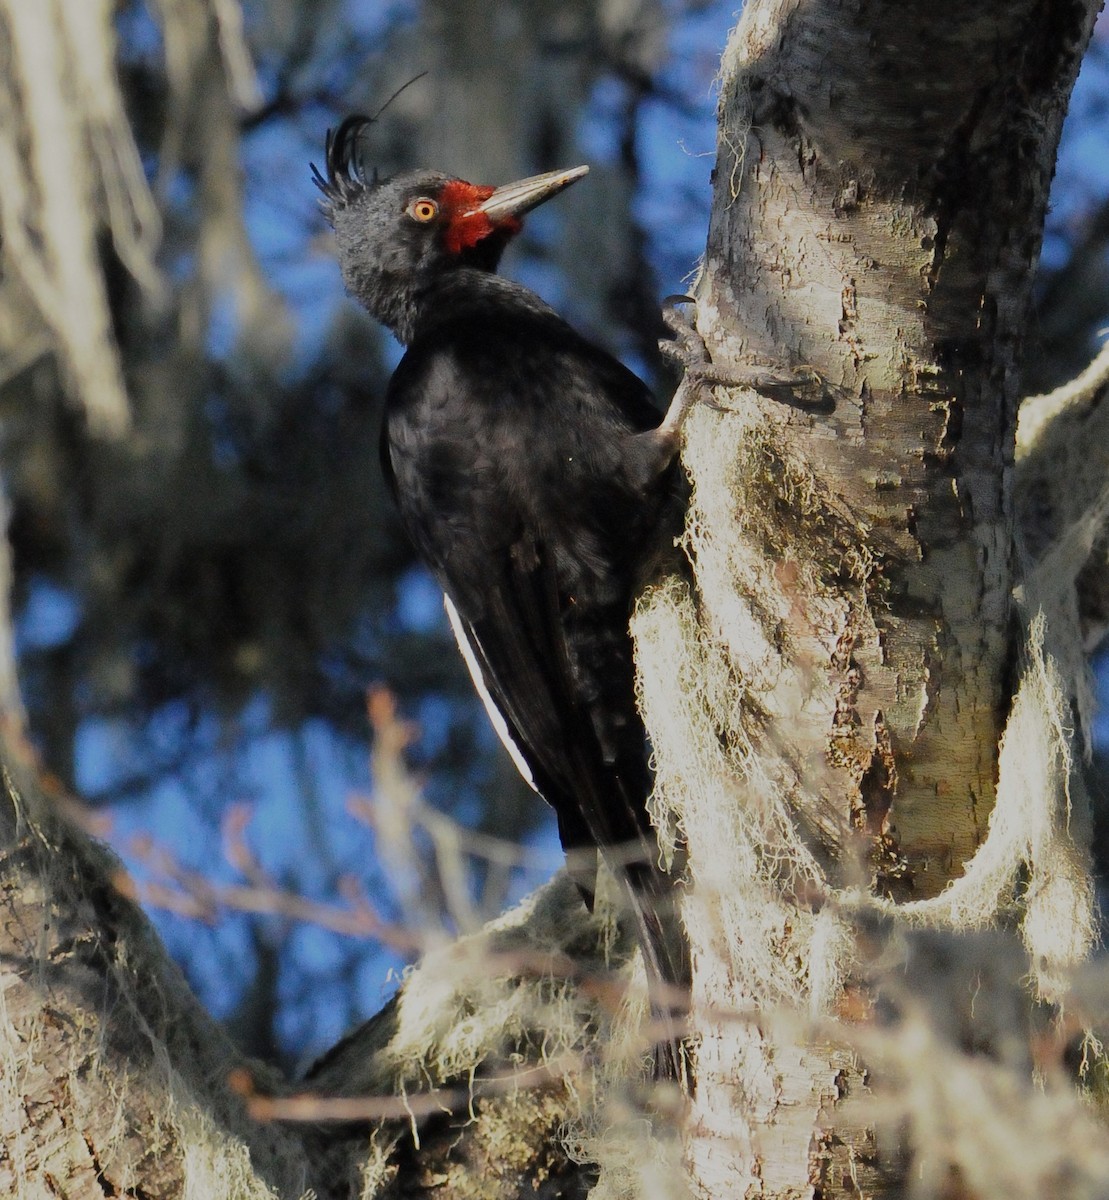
(879, 195)
(113, 1077)
(878, 217)
(116, 1082)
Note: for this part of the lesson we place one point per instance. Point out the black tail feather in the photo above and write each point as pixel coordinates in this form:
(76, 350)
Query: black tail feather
(653, 900)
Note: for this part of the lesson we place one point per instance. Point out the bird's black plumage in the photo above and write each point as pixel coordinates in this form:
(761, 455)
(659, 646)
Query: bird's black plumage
(531, 476)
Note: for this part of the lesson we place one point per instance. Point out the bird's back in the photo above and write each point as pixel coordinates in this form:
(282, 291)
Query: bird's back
(513, 449)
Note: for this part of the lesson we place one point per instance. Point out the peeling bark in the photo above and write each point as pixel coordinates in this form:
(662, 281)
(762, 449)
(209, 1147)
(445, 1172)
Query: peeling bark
(877, 218)
(114, 1077)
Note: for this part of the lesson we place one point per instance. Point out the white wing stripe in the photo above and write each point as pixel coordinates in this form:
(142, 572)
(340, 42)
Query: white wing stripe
(499, 723)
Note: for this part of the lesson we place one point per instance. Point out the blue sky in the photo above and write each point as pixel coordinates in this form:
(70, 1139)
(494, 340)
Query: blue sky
(298, 783)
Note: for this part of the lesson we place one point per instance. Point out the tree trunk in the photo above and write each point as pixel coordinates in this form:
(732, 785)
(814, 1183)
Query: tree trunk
(880, 188)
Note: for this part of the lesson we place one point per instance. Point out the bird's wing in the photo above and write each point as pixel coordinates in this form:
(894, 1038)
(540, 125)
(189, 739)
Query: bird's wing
(509, 738)
(516, 487)
(513, 639)
(480, 476)
(518, 657)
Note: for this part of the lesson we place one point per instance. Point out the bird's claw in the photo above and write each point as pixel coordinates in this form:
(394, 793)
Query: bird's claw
(685, 347)
(802, 386)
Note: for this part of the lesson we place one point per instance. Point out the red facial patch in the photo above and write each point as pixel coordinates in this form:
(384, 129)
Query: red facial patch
(463, 224)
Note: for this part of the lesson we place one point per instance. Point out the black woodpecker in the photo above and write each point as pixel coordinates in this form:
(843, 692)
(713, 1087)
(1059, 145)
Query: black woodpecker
(537, 484)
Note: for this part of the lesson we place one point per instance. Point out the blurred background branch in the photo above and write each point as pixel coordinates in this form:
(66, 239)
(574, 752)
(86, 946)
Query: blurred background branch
(208, 575)
(207, 572)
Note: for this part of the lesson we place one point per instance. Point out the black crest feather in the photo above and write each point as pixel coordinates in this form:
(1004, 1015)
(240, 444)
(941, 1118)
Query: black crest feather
(344, 168)
(346, 176)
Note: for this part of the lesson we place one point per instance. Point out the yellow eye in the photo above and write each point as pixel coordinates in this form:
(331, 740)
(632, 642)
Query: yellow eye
(423, 210)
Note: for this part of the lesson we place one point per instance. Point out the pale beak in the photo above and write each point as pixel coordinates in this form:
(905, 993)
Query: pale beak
(515, 199)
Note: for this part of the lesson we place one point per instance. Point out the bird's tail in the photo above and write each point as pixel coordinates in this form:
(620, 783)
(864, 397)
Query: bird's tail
(654, 904)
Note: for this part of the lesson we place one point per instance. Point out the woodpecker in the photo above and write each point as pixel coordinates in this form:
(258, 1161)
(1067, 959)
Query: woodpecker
(537, 484)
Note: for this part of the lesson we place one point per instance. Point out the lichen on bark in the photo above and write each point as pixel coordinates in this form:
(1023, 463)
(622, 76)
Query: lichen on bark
(854, 644)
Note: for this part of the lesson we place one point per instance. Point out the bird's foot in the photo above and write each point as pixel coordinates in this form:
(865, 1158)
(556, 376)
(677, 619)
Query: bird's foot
(801, 386)
(685, 347)
(687, 350)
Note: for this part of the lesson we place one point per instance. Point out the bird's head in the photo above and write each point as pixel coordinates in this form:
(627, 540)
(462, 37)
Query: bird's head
(397, 236)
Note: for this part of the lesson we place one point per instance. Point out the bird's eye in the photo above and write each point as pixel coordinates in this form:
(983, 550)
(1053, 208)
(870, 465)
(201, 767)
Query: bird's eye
(423, 210)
